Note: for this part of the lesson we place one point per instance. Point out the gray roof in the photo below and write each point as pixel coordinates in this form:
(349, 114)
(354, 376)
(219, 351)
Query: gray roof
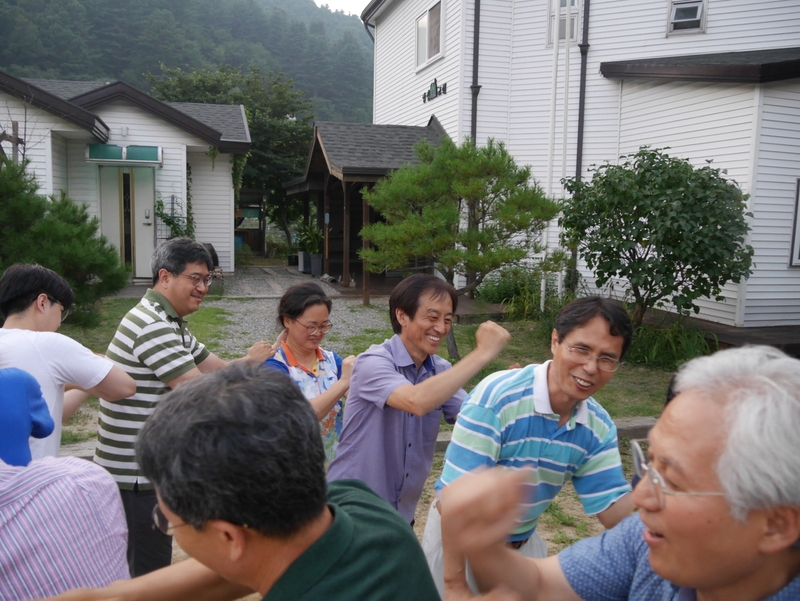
(66, 89)
(228, 119)
(365, 148)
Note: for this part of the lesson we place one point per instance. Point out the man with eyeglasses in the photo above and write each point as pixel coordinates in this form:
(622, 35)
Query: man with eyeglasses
(718, 500)
(542, 418)
(153, 344)
(34, 301)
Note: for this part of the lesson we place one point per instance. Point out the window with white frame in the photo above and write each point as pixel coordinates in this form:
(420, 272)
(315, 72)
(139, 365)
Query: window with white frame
(572, 11)
(429, 35)
(687, 16)
(794, 259)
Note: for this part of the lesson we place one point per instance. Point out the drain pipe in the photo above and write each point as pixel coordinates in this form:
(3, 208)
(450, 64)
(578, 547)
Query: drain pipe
(369, 33)
(476, 40)
(584, 48)
(552, 136)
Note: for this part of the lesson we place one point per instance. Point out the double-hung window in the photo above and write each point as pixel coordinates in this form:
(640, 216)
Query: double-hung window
(568, 8)
(687, 16)
(429, 35)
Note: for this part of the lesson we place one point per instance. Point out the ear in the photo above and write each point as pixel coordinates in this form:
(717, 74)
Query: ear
(232, 538)
(782, 529)
(41, 302)
(402, 318)
(553, 341)
(164, 277)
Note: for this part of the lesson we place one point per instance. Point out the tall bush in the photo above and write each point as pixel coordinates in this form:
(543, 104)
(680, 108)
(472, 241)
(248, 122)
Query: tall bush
(57, 234)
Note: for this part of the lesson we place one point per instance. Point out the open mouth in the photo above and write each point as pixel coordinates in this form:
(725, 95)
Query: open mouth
(583, 383)
(651, 537)
(433, 339)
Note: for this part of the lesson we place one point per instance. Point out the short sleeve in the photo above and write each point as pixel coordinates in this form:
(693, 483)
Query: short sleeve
(338, 361)
(275, 365)
(73, 363)
(161, 348)
(603, 568)
(599, 481)
(42, 424)
(375, 377)
(475, 442)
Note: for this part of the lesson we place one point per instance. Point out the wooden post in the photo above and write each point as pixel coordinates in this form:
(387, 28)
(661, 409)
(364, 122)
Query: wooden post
(326, 218)
(364, 245)
(306, 211)
(346, 242)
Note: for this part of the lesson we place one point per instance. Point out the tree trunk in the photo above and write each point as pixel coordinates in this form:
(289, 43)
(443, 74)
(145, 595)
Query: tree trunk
(638, 314)
(452, 349)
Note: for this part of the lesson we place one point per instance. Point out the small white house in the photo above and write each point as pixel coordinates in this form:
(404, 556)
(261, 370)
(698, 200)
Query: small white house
(119, 150)
(710, 79)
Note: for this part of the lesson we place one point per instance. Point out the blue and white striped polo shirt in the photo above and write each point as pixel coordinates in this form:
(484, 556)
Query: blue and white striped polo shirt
(507, 420)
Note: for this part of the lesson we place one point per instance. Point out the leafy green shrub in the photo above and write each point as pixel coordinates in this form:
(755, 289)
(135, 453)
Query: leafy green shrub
(667, 348)
(57, 234)
(508, 283)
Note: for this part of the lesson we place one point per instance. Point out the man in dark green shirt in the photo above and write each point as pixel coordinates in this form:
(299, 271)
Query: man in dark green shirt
(239, 468)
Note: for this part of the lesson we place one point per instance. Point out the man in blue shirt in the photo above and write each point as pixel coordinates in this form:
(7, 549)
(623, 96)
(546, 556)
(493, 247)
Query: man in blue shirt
(719, 500)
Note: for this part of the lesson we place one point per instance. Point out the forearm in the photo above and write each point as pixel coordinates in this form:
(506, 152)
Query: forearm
(455, 567)
(618, 511)
(426, 396)
(73, 399)
(323, 403)
(500, 564)
(186, 580)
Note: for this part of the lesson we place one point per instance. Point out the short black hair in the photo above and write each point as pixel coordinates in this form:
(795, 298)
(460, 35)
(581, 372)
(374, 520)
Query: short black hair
(407, 293)
(241, 444)
(580, 311)
(22, 283)
(298, 298)
(175, 254)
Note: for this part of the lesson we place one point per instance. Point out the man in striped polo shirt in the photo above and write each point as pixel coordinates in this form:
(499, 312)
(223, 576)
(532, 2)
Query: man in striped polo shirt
(543, 417)
(153, 345)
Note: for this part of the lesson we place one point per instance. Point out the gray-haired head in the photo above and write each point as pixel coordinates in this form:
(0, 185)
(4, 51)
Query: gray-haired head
(759, 388)
(175, 254)
(242, 445)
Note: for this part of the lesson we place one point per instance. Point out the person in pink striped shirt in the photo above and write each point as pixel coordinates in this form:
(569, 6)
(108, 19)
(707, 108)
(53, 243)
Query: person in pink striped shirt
(62, 527)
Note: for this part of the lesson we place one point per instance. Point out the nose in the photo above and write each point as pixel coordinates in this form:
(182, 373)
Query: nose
(591, 366)
(644, 495)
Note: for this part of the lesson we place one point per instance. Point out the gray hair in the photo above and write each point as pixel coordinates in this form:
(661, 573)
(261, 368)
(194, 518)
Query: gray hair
(759, 387)
(241, 444)
(174, 254)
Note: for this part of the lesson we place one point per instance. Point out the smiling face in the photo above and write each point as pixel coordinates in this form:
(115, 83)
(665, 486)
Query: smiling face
(180, 290)
(694, 541)
(422, 334)
(568, 380)
(298, 337)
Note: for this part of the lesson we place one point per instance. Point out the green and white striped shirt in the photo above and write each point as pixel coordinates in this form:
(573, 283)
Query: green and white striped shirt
(154, 347)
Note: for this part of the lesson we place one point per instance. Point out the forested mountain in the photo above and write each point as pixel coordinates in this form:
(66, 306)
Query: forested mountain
(327, 54)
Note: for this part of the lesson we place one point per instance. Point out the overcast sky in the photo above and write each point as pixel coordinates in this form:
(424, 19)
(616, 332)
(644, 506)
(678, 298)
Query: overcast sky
(348, 6)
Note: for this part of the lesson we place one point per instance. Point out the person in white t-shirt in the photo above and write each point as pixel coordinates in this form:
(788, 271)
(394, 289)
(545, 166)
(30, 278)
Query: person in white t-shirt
(34, 301)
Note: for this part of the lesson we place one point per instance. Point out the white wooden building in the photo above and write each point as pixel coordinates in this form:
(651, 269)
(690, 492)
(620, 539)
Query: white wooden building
(709, 79)
(117, 149)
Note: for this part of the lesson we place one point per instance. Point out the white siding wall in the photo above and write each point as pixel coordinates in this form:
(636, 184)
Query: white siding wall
(399, 86)
(84, 182)
(773, 291)
(35, 127)
(494, 69)
(58, 146)
(212, 202)
(146, 129)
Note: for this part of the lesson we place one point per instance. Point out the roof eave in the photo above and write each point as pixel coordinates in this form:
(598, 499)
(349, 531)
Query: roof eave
(753, 73)
(54, 105)
(122, 91)
(233, 147)
(373, 9)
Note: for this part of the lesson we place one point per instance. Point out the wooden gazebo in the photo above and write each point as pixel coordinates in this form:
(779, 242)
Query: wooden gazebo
(345, 158)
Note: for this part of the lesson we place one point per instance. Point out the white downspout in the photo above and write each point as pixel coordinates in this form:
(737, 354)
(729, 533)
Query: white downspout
(552, 135)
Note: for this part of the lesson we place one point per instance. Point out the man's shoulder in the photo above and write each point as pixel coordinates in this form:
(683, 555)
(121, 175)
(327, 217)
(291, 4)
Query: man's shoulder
(503, 387)
(46, 342)
(68, 474)
(598, 418)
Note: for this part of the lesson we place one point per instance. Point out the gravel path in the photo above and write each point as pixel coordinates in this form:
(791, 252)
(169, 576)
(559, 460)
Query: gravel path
(256, 319)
